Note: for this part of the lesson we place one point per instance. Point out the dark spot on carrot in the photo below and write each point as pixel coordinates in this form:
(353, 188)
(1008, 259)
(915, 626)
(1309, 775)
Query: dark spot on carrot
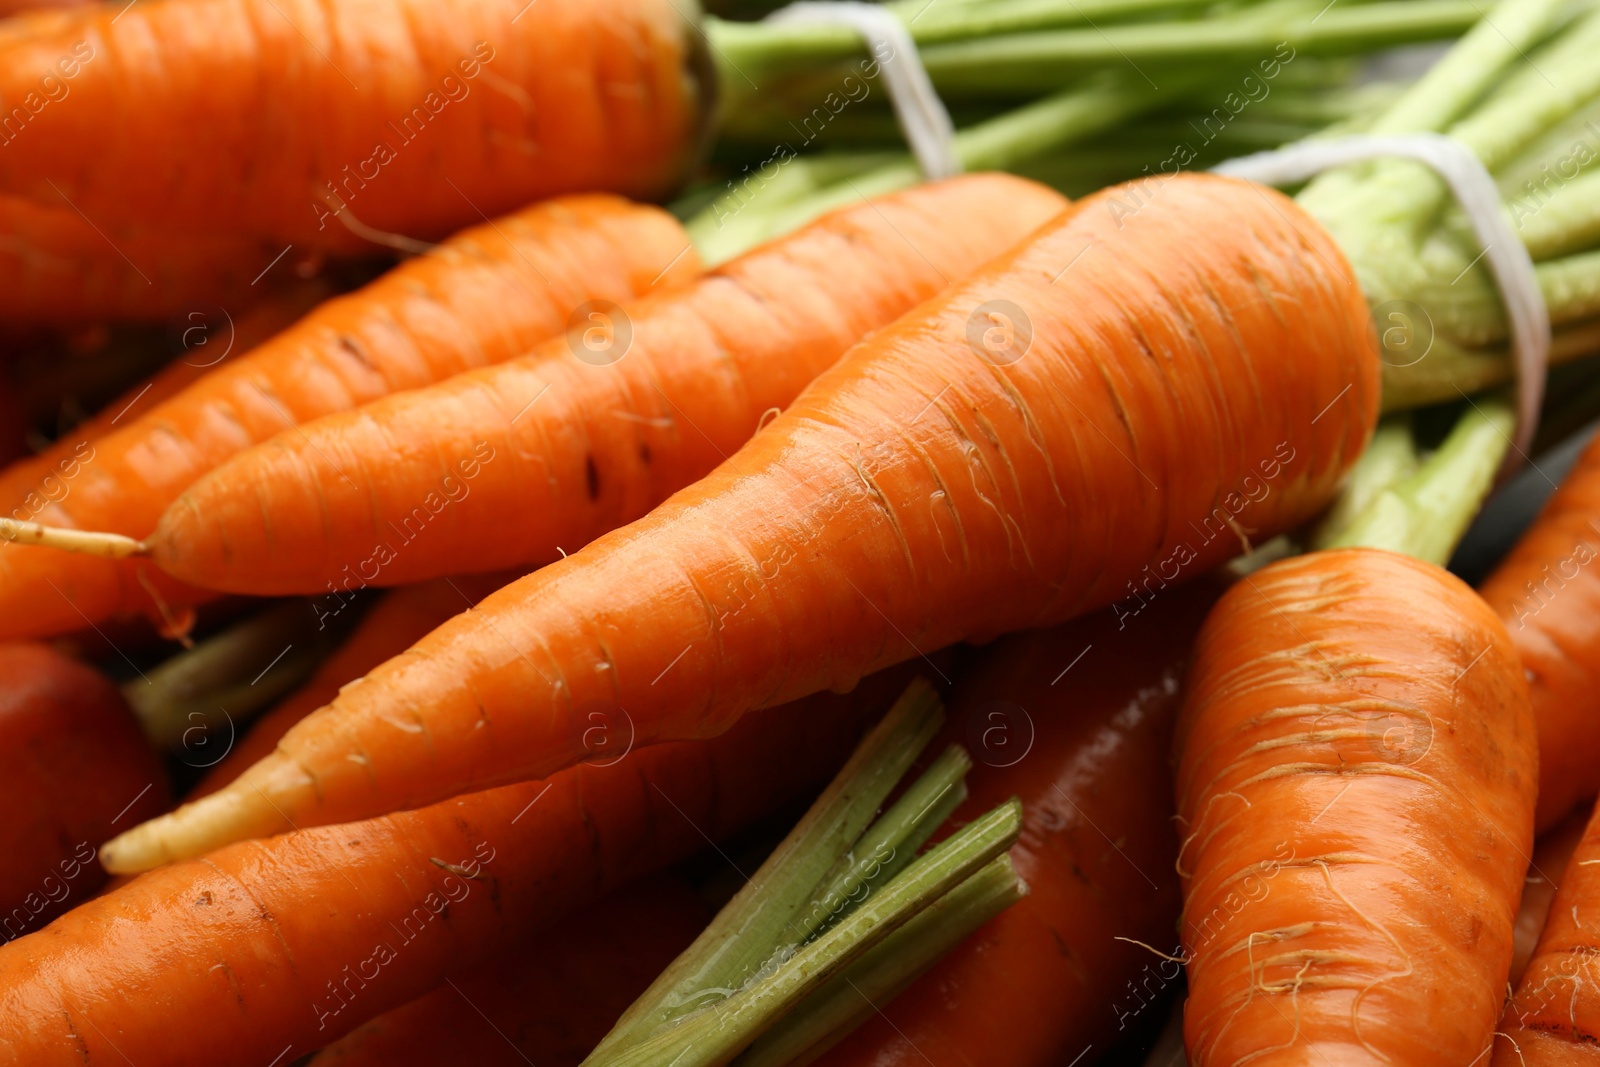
(644, 453)
(203, 900)
(593, 474)
(352, 346)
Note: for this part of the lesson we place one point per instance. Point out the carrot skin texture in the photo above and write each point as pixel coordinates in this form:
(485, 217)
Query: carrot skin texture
(389, 627)
(1553, 1018)
(548, 1001)
(57, 269)
(914, 495)
(282, 941)
(1046, 979)
(417, 119)
(583, 442)
(72, 760)
(20, 482)
(1356, 777)
(1551, 855)
(1547, 590)
(485, 296)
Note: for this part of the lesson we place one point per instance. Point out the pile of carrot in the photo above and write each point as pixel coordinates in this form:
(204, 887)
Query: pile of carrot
(460, 607)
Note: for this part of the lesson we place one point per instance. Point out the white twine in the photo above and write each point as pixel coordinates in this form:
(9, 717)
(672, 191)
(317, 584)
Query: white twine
(1475, 190)
(923, 118)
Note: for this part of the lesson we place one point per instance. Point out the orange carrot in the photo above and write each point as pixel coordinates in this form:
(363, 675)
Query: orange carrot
(32, 483)
(1547, 590)
(485, 296)
(1553, 1018)
(1076, 721)
(582, 441)
(56, 267)
(546, 1001)
(1550, 859)
(408, 117)
(1355, 788)
(287, 944)
(958, 474)
(389, 627)
(73, 766)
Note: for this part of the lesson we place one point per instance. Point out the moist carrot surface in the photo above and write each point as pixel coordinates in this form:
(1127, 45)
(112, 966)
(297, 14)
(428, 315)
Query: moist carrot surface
(584, 433)
(414, 118)
(1548, 592)
(922, 491)
(1355, 794)
(485, 296)
(296, 940)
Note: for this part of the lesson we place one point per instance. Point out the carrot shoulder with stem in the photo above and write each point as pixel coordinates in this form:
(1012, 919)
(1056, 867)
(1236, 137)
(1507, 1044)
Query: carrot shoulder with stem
(591, 430)
(485, 296)
(1085, 412)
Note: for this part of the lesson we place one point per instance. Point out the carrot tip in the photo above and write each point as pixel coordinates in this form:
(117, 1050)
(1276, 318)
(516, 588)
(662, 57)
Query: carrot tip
(83, 542)
(254, 806)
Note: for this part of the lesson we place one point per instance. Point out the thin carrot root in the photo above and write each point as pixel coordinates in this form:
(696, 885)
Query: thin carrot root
(81, 542)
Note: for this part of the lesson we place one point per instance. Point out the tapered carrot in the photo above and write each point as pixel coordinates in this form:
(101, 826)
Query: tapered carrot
(1076, 721)
(57, 268)
(1553, 1018)
(546, 1001)
(404, 117)
(1355, 791)
(1547, 590)
(582, 439)
(484, 296)
(389, 627)
(290, 943)
(28, 486)
(73, 766)
(1118, 416)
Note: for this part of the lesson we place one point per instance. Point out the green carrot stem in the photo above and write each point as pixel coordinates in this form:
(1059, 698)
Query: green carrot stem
(230, 677)
(768, 910)
(1425, 514)
(884, 850)
(882, 972)
(1041, 62)
(757, 50)
(714, 1037)
(1391, 457)
(743, 219)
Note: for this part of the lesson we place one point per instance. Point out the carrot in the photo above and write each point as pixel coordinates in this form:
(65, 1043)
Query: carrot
(1355, 790)
(73, 767)
(546, 1001)
(485, 296)
(56, 267)
(1083, 742)
(582, 440)
(1547, 590)
(290, 943)
(470, 113)
(1553, 1018)
(400, 619)
(924, 490)
(25, 484)
(1550, 858)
